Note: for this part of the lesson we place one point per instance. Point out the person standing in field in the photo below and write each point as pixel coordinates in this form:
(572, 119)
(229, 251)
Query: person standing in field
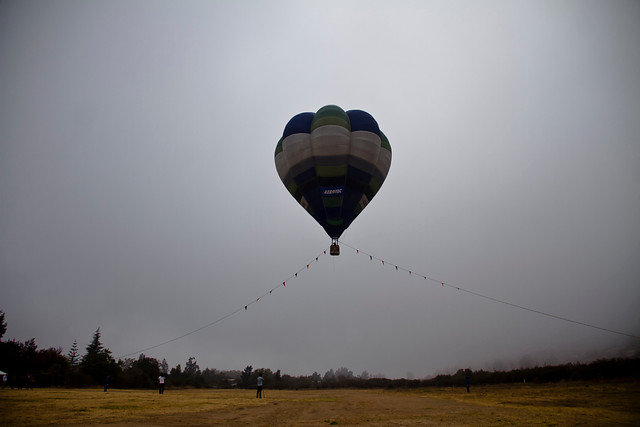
(161, 384)
(106, 383)
(259, 392)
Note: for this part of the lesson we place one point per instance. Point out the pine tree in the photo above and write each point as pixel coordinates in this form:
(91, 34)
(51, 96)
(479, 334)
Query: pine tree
(73, 356)
(98, 362)
(95, 347)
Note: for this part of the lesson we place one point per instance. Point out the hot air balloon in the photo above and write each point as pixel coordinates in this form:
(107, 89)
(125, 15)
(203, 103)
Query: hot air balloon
(333, 163)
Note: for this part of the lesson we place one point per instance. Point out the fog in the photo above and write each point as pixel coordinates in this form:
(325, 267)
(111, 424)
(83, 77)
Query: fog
(138, 191)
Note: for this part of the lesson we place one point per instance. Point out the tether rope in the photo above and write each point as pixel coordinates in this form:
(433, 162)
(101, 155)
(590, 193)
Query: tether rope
(226, 316)
(456, 287)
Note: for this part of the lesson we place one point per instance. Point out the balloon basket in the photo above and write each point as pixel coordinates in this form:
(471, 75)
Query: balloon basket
(334, 250)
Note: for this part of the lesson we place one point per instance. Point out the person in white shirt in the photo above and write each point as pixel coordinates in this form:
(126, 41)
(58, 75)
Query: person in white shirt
(259, 393)
(161, 384)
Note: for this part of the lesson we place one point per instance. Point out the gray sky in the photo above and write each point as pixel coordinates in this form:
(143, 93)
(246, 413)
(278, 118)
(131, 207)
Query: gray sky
(138, 191)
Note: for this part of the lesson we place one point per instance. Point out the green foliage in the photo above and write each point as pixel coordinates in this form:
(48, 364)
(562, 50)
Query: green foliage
(603, 369)
(175, 376)
(141, 373)
(95, 347)
(98, 363)
(191, 376)
(3, 325)
(245, 377)
(73, 356)
(50, 367)
(28, 366)
(191, 369)
(164, 367)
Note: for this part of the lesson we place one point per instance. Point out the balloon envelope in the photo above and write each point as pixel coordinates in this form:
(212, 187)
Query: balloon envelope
(333, 163)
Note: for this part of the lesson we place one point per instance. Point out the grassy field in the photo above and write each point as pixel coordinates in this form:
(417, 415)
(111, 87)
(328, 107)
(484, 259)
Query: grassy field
(596, 404)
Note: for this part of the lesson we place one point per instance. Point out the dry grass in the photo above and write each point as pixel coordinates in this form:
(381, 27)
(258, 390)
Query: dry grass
(92, 406)
(548, 405)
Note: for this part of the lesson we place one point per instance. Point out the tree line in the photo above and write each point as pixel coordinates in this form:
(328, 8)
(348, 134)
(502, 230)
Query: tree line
(28, 367)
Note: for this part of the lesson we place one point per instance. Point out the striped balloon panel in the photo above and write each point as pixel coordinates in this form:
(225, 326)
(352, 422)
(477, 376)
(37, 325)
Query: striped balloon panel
(333, 163)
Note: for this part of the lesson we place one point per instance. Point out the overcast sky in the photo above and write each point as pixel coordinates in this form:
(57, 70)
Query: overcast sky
(138, 190)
